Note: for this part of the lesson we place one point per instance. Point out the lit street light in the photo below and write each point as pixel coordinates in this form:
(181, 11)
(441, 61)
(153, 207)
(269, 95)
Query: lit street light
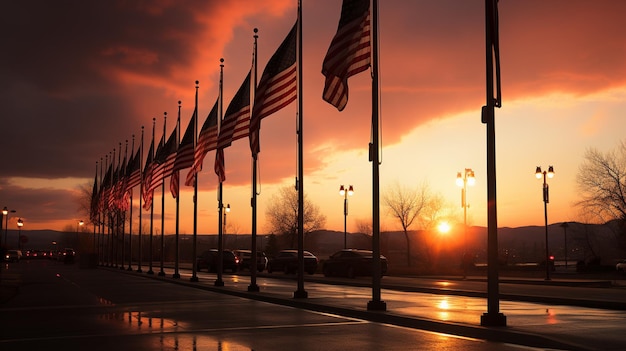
(344, 193)
(5, 213)
(546, 199)
(20, 224)
(226, 210)
(462, 180)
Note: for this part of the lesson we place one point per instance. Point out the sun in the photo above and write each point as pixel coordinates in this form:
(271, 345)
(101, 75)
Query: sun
(443, 227)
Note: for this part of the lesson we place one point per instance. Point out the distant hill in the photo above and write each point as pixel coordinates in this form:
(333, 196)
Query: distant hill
(521, 244)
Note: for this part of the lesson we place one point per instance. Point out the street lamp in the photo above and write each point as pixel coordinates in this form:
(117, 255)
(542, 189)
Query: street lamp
(546, 199)
(226, 210)
(462, 180)
(344, 193)
(20, 224)
(5, 212)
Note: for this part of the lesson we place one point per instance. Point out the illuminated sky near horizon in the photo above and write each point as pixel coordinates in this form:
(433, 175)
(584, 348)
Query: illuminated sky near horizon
(79, 77)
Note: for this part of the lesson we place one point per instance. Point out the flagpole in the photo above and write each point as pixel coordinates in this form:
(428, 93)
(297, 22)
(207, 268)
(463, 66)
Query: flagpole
(150, 271)
(300, 293)
(161, 272)
(194, 275)
(220, 206)
(253, 287)
(105, 204)
(176, 274)
(376, 304)
(103, 218)
(122, 193)
(493, 316)
(140, 202)
(97, 221)
(130, 216)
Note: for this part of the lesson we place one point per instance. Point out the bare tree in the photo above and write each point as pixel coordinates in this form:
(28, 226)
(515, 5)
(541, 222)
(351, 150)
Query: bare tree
(602, 183)
(364, 226)
(282, 214)
(406, 204)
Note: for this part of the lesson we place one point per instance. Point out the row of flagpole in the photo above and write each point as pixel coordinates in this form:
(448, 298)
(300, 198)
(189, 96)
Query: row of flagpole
(349, 53)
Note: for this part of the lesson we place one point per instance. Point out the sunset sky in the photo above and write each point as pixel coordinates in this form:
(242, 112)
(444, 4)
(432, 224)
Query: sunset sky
(79, 77)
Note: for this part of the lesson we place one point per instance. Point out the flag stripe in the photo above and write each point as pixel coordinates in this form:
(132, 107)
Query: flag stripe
(219, 165)
(207, 141)
(349, 51)
(277, 87)
(236, 121)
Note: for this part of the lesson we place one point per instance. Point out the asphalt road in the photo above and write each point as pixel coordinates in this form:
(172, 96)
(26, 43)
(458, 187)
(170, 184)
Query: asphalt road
(61, 306)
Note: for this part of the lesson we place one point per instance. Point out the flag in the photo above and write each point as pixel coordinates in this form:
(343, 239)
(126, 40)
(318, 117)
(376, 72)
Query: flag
(147, 178)
(277, 87)
(184, 155)
(133, 171)
(120, 187)
(236, 121)
(349, 51)
(219, 165)
(164, 160)
(207, 141)
(93, 213)
(105, 188)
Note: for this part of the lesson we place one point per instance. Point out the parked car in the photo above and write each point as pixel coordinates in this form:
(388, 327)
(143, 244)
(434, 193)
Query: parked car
(351, 263)
(208, 260)
(245, 257)
(287, 261)
(13, 256)
(621, 266)
(68, 255)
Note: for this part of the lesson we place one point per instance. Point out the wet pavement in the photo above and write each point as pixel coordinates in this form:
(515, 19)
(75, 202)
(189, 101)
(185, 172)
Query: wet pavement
(60, 305)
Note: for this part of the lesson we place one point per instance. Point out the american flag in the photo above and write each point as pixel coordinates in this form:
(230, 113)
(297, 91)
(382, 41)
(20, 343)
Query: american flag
(147, 194)
(277, 87)
(184, 156)
(219, 165)
(93, 210)
(133, 172)
(349, 51)
(236, 122)
(164, 158)
(105, 186)
(207, 141)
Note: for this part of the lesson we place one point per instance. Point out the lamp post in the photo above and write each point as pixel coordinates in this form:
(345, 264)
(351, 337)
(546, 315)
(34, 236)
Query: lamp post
(20, 224)
(546, 199)
(226, 210)
(463, 180)
(343, 192)
(5, 212)
(78, 225)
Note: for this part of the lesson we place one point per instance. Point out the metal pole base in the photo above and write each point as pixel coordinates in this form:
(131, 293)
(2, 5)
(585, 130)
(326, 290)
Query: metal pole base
(377, 306)
(150, 272)
(193, 279)
(300, 294)
(161, 274)
(129, 268)
(253, 288)
(176, 276)
(493, 320)
(219, 282)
